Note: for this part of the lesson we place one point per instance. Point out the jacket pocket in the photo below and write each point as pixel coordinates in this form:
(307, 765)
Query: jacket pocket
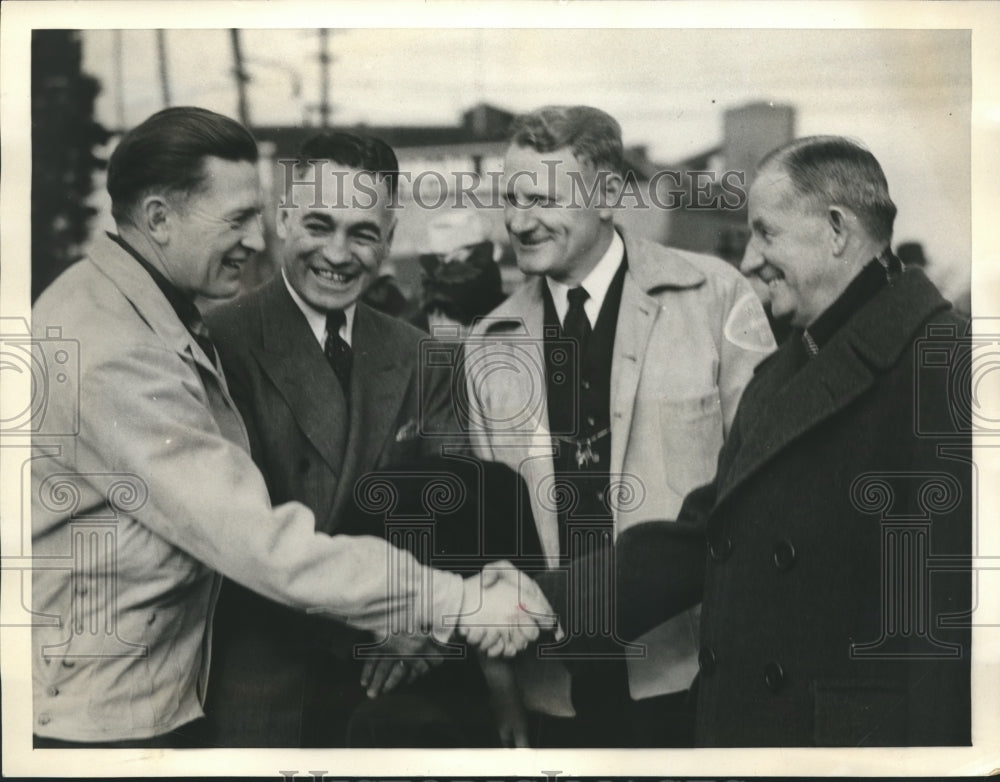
(691, 435)
(859, 713)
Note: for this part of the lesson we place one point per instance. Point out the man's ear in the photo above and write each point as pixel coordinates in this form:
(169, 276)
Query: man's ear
(843, 222)
(154, 213)
(281, 219)
(611, 188)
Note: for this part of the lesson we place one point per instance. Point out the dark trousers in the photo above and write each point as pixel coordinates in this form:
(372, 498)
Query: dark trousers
(607, 717)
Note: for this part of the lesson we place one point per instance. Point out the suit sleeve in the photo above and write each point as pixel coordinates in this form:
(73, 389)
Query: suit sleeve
(659, 573)
(442, 405)
(744, 342)
(147, 414)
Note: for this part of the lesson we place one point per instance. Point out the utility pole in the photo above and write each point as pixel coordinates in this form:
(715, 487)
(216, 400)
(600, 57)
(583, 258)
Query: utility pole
(119, 59)
(242, 77)
(324, 71)
(161, 48)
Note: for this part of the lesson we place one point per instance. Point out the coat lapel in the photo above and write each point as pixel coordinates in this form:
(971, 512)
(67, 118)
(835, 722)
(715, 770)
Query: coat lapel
(293, 360)
(521, 319)
(140, 289)
(636, 317)
(787, 402)
(380, 377)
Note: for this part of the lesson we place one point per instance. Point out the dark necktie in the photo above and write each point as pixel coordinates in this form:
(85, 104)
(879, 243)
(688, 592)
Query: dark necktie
(338, 352)
(576, 325)
(196, 326)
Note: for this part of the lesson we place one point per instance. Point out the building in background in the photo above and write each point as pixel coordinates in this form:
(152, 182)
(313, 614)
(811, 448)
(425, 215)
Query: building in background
(714, 218)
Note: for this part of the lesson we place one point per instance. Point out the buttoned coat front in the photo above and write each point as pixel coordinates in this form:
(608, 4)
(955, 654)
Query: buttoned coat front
(836, 584)
(689, 333)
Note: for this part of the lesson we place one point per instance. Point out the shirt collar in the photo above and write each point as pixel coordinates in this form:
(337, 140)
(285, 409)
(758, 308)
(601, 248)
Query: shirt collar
(596, 283)
(317, 319)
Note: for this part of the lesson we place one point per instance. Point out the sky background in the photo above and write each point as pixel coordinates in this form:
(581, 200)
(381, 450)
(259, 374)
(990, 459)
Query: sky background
(905, 93)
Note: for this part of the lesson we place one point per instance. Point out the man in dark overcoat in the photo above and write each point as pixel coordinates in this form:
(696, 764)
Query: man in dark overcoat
(831, 552)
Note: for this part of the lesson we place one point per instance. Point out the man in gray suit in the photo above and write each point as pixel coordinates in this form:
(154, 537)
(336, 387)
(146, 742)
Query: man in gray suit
(330, 390)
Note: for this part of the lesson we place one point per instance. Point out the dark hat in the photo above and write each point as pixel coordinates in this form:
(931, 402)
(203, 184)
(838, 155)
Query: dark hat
(464, 285)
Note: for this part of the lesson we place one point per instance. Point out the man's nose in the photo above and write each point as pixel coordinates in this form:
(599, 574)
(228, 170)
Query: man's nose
(335, 248)
(253, 239)
(753, 259)
(519, 219)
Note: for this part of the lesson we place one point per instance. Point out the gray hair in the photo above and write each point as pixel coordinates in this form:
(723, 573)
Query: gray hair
(835, 170)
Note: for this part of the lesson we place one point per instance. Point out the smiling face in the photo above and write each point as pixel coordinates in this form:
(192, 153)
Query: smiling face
(215, 230)
(791, 250)
(335, 243)
(558, 225)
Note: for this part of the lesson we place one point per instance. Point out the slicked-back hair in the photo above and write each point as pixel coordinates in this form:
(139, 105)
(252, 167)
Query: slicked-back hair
(593, 135)
(368, 154)
(833, 170)
(167, 152)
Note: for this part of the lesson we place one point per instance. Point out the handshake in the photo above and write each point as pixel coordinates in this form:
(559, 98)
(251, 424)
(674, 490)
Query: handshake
(503, 611)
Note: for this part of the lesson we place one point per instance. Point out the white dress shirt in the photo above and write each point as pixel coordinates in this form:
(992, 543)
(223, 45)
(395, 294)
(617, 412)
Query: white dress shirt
(317, 319)
(596, 283)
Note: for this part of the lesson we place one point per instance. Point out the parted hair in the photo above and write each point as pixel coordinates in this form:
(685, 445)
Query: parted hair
(831, 170)
(593, 135)
(368, 154)
(167, 151)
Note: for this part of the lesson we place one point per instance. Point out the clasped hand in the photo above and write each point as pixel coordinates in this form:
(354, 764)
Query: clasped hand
(503, 610)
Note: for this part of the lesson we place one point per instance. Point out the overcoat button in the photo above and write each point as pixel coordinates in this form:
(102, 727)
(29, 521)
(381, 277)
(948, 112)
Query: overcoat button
(774, 676)
(53, 691)
(706, 661)
(720, 549)
(784, 555)
(44, 718)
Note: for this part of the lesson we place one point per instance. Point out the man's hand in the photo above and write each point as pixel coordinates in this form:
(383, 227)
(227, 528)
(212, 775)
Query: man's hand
(402, 660)
(503, 610)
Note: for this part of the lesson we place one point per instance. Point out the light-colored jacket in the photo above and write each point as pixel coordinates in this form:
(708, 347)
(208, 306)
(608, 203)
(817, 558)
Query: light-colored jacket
(690, 332)
(141, 499)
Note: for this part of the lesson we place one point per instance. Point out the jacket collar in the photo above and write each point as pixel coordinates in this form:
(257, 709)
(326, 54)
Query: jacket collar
(141, 290)
(788, 399)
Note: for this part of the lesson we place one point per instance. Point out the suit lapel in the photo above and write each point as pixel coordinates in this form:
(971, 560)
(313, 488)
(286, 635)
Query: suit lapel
(293, 360)
(380, 377)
